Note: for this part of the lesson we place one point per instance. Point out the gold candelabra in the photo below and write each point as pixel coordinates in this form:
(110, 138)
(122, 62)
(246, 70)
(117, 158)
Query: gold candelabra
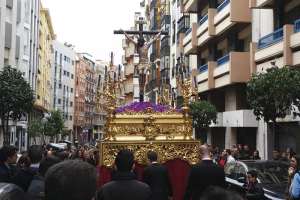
(166, 97)
(107, 98)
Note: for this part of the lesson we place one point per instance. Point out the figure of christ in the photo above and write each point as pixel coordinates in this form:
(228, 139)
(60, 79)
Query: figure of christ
(144, 64)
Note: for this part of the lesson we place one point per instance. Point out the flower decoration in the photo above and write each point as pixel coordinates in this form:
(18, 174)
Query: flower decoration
(141, 106)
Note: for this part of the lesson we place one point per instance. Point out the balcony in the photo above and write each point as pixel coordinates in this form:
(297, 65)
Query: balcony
(239, 118)
(265, 4)
(128, 88)
(190, 6)
(129, 52)
(219, 120)
(232, 68)
(129, 69)
(205, 78)
(88, 126)
(271, 38)
(124, 61)
(190, 41)
(154, 56)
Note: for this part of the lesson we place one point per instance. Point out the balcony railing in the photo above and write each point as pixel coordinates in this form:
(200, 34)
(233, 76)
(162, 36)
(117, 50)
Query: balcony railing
(154, 56)
(271, 38)
(203, 68)
(223, 5)
(204, 19)
(188, 31)
(165, 42)
(297, 26)
(183, 24)
(223, 60)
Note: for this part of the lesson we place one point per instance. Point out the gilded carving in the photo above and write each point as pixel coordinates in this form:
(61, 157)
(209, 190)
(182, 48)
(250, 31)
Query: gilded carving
(186, 151)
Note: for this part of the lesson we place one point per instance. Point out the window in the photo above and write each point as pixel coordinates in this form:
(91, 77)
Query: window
(72, 76)
(60, 58)
(229, 171)
(55, 58)
(54, 87)
(71, 118)
(59, 101)
(72, 62)
(65, 73)
(66, 117)
(77, 81)
(68, 74)
(71, 90)
(65, 58)
(60, 86)
(54, 101)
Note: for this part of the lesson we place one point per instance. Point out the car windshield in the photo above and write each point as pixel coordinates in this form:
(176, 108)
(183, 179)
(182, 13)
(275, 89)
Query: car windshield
(271, 173)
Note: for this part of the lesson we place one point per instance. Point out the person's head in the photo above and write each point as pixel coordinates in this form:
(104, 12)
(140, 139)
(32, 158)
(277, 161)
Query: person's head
(23, 162)
(228, 152)
(240, 147)
(217, 192)
(91, 152)
(86, 155)
(124, 161)
(255, 153)
(276, 153)
(95, 152)
(24, 153)
(203, 152)
(46, 163)
(35, 154)
(235, 151)
(217, 149)
(289, 150)
(63, 156)
(212, 154)
(83, 184)
(295, 162)
(283, 154)
(251, 175)
(49, 153)
(246, 147)
(152, 156)
(8, 154)
(141, 41)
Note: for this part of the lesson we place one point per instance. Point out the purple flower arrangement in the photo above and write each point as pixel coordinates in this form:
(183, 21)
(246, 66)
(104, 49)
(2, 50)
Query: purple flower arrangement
(141, 106)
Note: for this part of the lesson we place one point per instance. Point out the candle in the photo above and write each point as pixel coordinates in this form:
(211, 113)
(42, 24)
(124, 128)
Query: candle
(99, 80)
(105, 71)
(176, 69)
(103, 87)
(169, 88)
(188, 70)
(112, 57)
(173, 95)
(181, 57)
(119, 72)
(195, 81)
(109, 79)
(182, 78)
(115, 77)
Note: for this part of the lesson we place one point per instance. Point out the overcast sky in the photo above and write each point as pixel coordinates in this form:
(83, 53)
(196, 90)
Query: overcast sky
(89, 24)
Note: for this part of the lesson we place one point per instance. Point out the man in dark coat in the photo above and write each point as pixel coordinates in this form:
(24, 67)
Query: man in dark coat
(8, 156)
(255, 191)
(37, 184)
(23, 177)
(158, 179)
(93, 160)
(124, 186)
(202, 175)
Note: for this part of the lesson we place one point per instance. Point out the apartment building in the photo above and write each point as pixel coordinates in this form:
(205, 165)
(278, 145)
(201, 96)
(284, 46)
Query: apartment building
(63, 82)
(80, 96)
(232, 40)
(19, 21)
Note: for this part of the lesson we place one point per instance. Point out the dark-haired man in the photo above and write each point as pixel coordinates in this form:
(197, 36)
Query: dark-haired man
(37, 184)
(71, 180)
(202, 175)
(158, 179)
(8, 156)
(24, 176)
(93, 160)
(255, 191)
(125, 186)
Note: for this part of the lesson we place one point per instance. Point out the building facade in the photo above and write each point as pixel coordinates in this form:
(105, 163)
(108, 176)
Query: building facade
(63, 83)
(19, 38)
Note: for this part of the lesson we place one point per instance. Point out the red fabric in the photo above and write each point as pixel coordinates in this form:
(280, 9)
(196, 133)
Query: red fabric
(222, 161)
(178, 171)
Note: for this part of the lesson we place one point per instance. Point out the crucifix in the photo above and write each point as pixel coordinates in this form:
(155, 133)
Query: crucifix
(142, 49)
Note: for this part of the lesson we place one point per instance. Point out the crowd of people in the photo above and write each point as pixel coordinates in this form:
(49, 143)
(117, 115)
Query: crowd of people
(53, 174)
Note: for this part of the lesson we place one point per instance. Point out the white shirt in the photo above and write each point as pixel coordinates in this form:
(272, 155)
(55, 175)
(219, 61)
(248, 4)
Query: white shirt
(230, 159)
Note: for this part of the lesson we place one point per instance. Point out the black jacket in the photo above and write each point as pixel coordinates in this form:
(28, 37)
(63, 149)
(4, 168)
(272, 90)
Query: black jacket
(36, 186)
(4, 173)
(256, 192)
(201, 176)
(92, 161)
(113, 173)
(23, 178)
(123, 188)
(157, 177)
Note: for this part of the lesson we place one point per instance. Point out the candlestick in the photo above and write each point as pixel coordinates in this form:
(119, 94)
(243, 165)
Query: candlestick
(115, 77)
(119, 71)
(105, 71)
(99, 80)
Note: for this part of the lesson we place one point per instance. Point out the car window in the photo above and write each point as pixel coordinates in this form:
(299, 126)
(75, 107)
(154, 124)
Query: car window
(270, 173)
(240, 171)
(229, 171)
